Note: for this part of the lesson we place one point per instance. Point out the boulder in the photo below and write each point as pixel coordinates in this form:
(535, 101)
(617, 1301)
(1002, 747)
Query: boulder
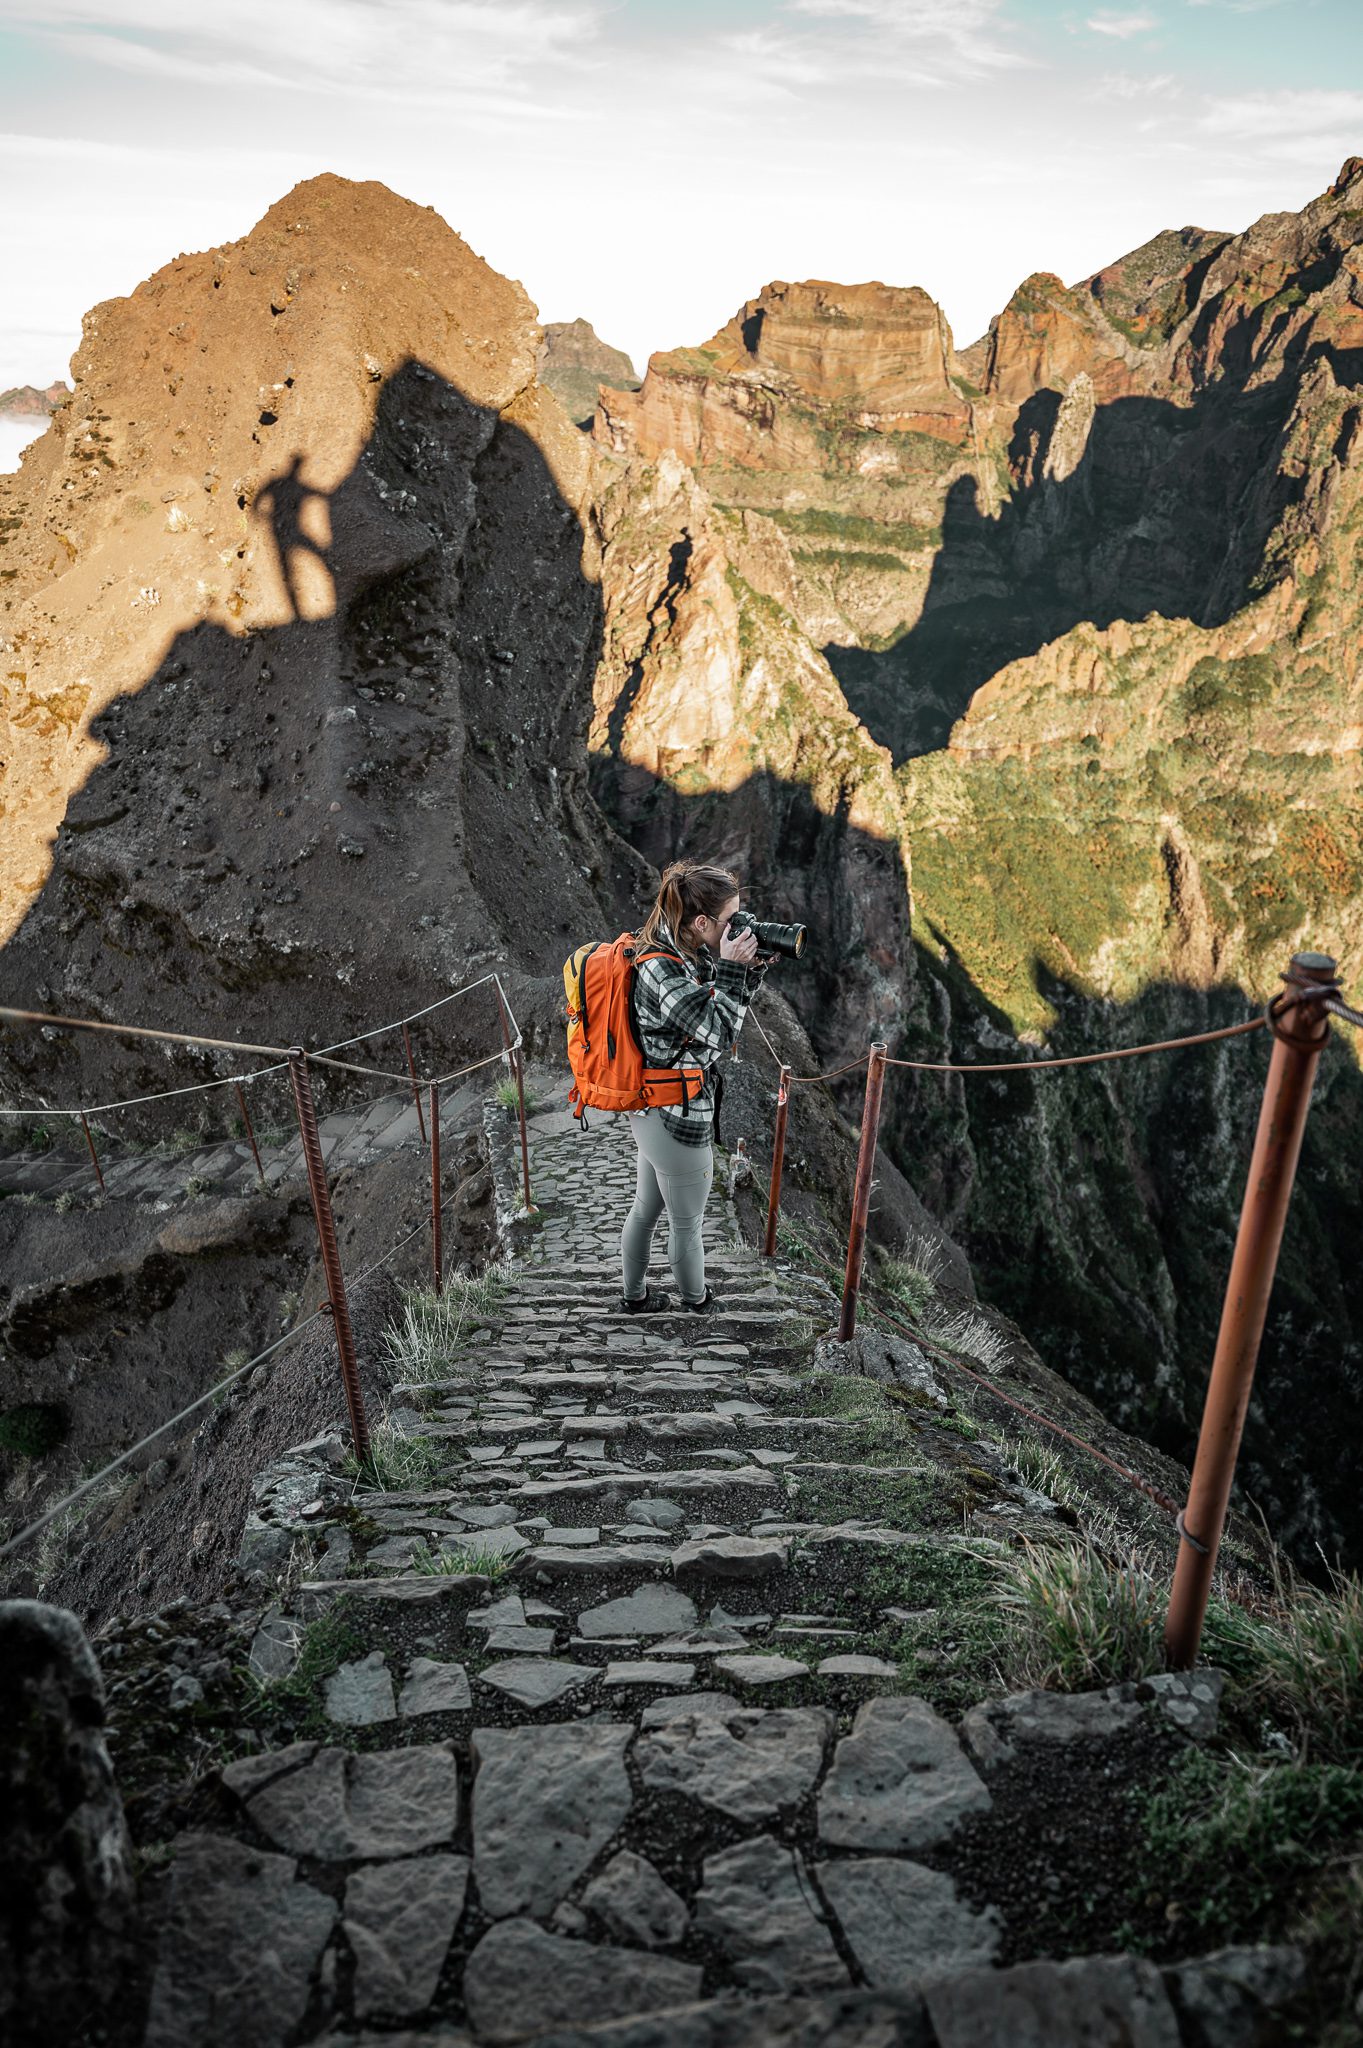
(67, 1900)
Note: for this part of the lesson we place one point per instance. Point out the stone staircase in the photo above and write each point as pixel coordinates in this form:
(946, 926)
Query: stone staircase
(598, 1750)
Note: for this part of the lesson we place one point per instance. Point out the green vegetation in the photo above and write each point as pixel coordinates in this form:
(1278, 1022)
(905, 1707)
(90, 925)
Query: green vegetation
(324, 1646)
(813, 523)
(1215, 688)
(906, 1282)
(508, 1096)
(850, 558)
(34, 1428)
(1230, 1835)
(1083, 1618)
(1080, 1621)
(453, 1562)
(427, 1344)
(397, 1461)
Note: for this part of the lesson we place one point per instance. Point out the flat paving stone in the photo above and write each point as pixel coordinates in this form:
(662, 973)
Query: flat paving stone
(636, 1903)
(395, 1553)
(536, 1681)
(729, 1557)
(658, 1514)
(605, 1559)
(392, 1802)
(652, 1610)
(545, 1801)
(500, 1541)
(1096, 2001)
(852, 1665)
(699, 1642)
(399, 1919)
(496, 1515)
(433, 1687)
(524, 1642)
(240, 1940)
(902, 1920)
(757, 1904)
(360, 1695)
(506, 1612)
(520, 1982)
(275, 1647)
(747, 1762)
(648, 1671)
(754, 1668)
(899, 1781)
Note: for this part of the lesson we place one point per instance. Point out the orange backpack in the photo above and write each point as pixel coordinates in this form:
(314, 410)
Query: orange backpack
(604, 1052)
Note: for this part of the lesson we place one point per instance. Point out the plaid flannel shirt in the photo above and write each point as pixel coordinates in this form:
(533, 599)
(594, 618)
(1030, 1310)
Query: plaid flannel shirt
(690, 1017)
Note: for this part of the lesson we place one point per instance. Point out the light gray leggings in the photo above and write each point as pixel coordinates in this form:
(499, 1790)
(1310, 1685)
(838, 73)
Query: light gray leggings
(677, 1178)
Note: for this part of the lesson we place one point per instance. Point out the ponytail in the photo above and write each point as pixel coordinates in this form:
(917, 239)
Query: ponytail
(689, 888)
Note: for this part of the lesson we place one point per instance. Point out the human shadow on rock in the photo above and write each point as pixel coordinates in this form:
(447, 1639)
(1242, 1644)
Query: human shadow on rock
(305, 828)
(1167, 509)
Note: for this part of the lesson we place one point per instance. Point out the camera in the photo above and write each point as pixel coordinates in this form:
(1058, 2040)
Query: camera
(786, 939)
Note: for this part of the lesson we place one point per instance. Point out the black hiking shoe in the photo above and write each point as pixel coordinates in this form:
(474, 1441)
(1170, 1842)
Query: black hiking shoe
(652, 1302)
(704, 1307)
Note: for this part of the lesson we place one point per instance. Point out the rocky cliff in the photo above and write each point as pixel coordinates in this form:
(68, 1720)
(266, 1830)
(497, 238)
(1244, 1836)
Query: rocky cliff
(575, 363)
(28, 402)
(299, 575)
(1056, 639)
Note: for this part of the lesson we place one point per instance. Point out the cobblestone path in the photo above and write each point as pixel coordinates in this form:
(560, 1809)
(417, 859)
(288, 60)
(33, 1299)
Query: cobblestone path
(597, 1745)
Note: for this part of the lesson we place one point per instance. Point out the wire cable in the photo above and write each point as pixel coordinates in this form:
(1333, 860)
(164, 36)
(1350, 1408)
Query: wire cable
(1079, 1059)
(115, 1464)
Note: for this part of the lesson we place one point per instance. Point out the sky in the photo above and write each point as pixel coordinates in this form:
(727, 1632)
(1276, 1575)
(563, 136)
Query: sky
(650, 166)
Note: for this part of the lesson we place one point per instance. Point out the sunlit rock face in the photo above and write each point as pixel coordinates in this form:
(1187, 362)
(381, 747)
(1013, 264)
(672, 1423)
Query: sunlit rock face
(297, 622)
(574, 364)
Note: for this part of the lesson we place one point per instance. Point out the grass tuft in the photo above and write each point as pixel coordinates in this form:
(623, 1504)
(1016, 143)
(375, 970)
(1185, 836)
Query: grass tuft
(1079, 1620)
(453, 1562)
(1239, 1836)
(425, 1345)
(1083, 1617)
(397, 1462)
(508, 1096)
(970, 1334)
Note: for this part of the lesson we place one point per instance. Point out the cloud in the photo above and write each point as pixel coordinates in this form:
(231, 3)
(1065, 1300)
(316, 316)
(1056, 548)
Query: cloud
(428, 51)
(1263, 116)
(1121, 26)
(934, 38)
(1122, 85)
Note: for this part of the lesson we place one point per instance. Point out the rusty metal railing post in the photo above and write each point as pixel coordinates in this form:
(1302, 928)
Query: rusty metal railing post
(861, 1193)
(518, 1069)
(1298, 1037)
(778, 1160)
(416, 1092)
(336, 1301)
(437, 1239)
(250, 1130)
(94, 1156)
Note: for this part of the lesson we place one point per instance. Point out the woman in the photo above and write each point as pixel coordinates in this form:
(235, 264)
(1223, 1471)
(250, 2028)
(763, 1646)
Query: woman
(689, 1009)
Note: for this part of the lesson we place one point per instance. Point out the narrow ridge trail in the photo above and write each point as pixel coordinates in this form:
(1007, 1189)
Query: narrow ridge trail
(603, 1743)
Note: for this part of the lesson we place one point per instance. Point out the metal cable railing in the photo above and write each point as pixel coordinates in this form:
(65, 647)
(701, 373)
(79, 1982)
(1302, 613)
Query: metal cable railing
(298, 1063)
(1298, 1021)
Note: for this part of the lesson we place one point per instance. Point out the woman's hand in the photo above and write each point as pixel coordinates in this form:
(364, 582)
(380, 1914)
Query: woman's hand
(742, 948)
